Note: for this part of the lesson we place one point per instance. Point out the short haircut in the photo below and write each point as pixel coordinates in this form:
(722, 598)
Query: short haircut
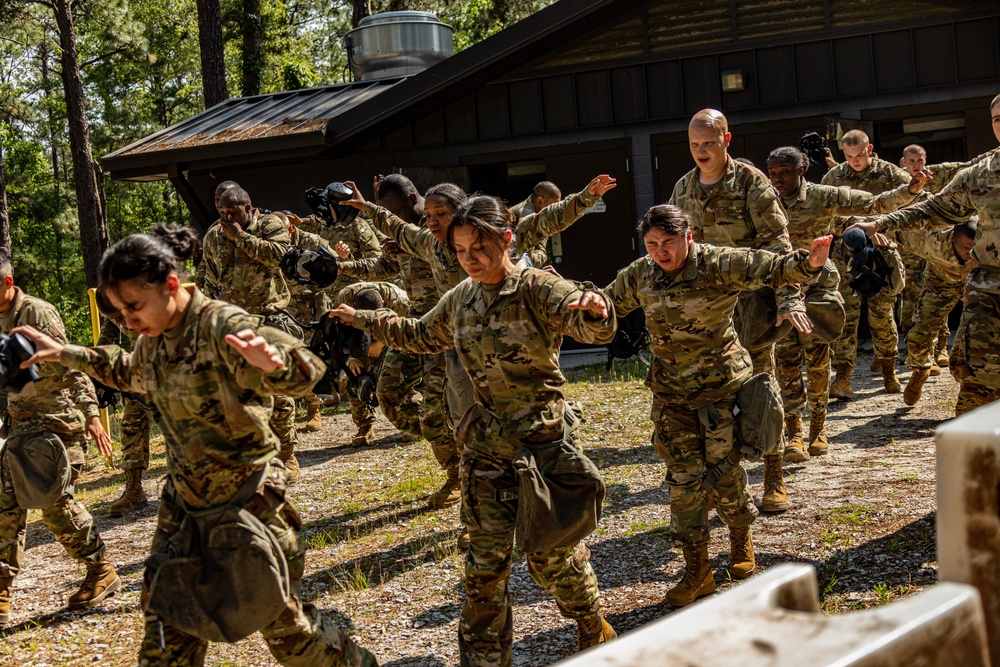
(856, 138)
(915, 148)
(450, 193)
(397, 184)
(789, 156)
(225, 185)
(710, 118)
(6, 266)
(996, 101)
(234, 196)
(488, 216)
(968, 228)
(368, 299)
(666, 217)
(546, 190)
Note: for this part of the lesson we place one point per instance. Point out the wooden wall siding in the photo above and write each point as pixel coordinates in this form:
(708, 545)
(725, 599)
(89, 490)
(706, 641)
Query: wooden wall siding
(810, 71)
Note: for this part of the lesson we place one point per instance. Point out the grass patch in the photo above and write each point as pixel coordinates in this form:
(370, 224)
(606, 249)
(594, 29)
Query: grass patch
(851, 513)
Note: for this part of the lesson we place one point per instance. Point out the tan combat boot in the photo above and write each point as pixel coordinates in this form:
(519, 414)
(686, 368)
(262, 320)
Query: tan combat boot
(841, 387)
(5, 585)
(450, 493)
(775, 495)
(889, 379)
(287, 456)
(942, 357)
(915, 385)
(101, 581)
(314, 421)
(697, 580)
(593, 630)
(464, 541)
(361, 437)
(935, 370)
(795, 449)
(741, 560)
(818, 443)
(133, 497)
(876, 366)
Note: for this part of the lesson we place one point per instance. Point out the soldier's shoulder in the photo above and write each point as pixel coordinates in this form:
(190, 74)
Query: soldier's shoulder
(36, 310)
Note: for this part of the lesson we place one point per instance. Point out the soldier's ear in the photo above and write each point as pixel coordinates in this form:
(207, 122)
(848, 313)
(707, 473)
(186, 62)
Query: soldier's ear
(728, 138)
(173, 283)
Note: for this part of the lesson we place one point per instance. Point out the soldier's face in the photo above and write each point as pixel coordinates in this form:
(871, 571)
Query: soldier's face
(669, 251)
(401, 207)
(963, 246)
(708, 148)
(784, 178)
(236, 214)
(858, 157)
(148, 309)
(439, 214)
(914, 162)
(995, 114)
(485, 262)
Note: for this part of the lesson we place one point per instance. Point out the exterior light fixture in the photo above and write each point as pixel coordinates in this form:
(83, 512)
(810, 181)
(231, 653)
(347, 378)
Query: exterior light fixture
(733, 81)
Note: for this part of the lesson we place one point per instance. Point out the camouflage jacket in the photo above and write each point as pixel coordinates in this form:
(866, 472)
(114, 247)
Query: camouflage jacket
(393, 296)
(814, 210)
(943, 172)
(211, 405)
(61, 399)
(741, 211)
(876, 178)
(246, 272)
(943, 266)
(357, 234)
(509, 345)
(689, 315)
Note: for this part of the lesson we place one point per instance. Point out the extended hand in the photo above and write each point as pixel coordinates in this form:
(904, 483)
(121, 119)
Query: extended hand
(376, 183)
(47, 349)
(799, 320)
(918, 180)
(356, 200)
(355, 366)
(343, 250)
(592, 302)
(819, 252)
(601, 184)
(256, 350)
(344, 313)
(94, 431)
(869, 228)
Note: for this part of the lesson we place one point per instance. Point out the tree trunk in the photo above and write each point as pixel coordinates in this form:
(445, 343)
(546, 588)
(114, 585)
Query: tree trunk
(93, 229)
(253, 63)
(362, 8)
(213, 61)
(4, 215)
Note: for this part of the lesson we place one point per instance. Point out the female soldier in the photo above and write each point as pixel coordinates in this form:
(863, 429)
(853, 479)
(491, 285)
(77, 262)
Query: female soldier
(689, 291)
(506, 324)
(209, 370)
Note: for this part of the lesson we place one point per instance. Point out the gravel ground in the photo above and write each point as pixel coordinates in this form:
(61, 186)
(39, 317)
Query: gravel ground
(388, 569)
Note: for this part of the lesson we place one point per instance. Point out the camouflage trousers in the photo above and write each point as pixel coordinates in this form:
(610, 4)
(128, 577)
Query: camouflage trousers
(976, 352)
(485, 629)
(136, 418)
(397, 392)
(363, 414)
(283, 415)
(933, 307)
(791, 354)
(459, 395)
(301, 636)
(692, 441)
(68, 519)
(881, 323)
(910, 296)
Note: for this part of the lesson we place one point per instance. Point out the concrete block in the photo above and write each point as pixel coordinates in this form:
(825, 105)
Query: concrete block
(773, 619)
(968, 516)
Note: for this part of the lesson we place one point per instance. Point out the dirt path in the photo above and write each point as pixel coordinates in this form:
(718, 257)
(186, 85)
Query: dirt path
(388, 567)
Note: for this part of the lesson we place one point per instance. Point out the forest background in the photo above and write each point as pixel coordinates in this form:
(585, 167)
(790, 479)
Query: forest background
(81, 78)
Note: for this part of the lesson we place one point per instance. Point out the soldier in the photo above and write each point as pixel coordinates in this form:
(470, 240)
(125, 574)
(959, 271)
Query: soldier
(545, 193)
(863, 170)
(63, 403)
(210, 370)
(689, 293)
(136, 419)
(974, 190)
(732, 204)
(507, 324)
(948, 254)
(241, 265)
(199, 279)
(812, 211)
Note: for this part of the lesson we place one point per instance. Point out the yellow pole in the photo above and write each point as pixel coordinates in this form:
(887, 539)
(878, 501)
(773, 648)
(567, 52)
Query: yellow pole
(95, 325)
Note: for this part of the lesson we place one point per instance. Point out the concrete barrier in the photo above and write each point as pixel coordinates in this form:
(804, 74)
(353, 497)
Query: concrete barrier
(773, 620)
(968, 516)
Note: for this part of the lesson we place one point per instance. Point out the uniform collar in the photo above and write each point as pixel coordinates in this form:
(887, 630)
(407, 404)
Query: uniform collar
(510, 283)
(687, 273)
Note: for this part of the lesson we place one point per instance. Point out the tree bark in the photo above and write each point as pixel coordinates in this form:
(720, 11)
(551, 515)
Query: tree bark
(253, 63)
(4, 214)
(362, 8)
(213, 61)
(93, 228)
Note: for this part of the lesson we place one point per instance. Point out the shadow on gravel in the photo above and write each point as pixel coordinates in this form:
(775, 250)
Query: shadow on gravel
(63, 616)
(607, 457)
(416, 661)
(116, 477)
(317, 456)
(342, 529)
(884, 428)
(618, 499)
(440, 615)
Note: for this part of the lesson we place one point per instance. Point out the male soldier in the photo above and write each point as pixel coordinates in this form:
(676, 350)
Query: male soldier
(689, 292)
(812, 211)
(732, 204)
(61, 402)
(199, 278)
(948, 255)
(242, 255)
(974, 190)
(543, 194)
(136, 419)
(863, 170)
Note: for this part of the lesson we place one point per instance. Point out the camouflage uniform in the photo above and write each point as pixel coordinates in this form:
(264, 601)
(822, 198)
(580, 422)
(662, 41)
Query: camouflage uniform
(698, 367)
(973, 190)
(60, 402)
(136, 417)
(246, 273)
(393, 298)
(878, 177)
(813, 212)
(508, 339)
(357, 234)
(213, 409)
(943, 280)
